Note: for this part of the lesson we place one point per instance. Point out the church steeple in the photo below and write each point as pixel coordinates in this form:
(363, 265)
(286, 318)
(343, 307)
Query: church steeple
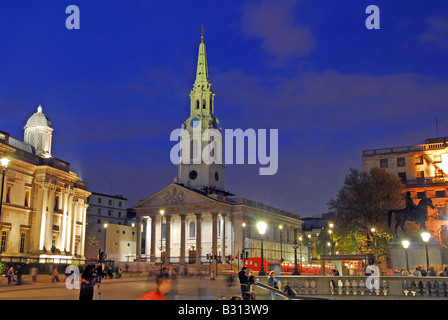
(202, 95)
(200, 134)
(202, 69)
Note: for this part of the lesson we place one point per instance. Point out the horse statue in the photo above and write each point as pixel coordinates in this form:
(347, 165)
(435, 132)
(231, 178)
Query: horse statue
(418, 215)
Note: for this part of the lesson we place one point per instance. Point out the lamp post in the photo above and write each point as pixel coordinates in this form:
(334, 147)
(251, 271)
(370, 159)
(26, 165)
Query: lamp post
(406, 246)
(3, 165)
(426, 236)
(330, 232)
(295, 245)
(261, 226)
(280, 227)
(105, 236)
(244, 238)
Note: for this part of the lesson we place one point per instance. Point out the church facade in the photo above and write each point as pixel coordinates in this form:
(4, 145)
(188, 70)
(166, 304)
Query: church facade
(194, 218)
(43, 211)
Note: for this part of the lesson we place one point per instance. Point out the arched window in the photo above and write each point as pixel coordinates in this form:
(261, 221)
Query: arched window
(203, 104)
(192, 230)
(197, 104)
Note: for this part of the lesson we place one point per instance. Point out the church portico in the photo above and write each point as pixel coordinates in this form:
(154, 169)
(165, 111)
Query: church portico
(184, 233)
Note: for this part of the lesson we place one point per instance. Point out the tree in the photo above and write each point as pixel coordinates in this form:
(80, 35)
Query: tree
(361, 204)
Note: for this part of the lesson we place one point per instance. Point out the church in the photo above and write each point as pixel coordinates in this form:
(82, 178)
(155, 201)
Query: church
(194, 219)
(43, 203)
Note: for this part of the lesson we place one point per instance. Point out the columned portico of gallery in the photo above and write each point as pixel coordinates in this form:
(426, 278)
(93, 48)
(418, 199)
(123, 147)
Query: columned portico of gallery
(185, 238)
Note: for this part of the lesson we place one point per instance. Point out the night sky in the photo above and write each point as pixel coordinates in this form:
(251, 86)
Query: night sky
(116, 88)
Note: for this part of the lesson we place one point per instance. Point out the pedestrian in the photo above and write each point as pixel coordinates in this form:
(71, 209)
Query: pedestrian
(55, 275)
(244, 281)
(87, 283)
(10, 275)
(109, 273)
(272, 282)
(117, 273)
(417, 272)
(19, 273)
(163, 282)
(251, 284)
(34, 272)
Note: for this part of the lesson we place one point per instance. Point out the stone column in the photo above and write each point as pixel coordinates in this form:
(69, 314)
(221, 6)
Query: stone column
(43, 217)
(77, 216)
(64, 219)
(153, 239)
(223, 238)
(168, 239)
(198, 237)
(69, 221)
(138, 253)
(83, 213)
(214, 233)
(182, 239)
(49, 222)
(148, 237)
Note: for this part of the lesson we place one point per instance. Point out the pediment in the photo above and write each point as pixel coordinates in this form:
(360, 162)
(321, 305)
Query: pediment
(174, 194)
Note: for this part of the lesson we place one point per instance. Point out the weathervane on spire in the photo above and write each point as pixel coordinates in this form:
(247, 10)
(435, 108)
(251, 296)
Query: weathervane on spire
(202, 32)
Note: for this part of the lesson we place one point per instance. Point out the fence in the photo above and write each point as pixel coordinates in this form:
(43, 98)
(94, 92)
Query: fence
(390, 286)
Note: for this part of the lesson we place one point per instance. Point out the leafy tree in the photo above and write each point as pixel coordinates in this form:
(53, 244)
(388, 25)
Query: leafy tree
(361, 204)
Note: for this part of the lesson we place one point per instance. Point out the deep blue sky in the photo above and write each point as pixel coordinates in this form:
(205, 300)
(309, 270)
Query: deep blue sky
(115, 89)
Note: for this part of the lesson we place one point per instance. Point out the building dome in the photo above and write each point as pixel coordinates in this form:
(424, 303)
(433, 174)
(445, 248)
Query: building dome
(38, 133)
(38, 119)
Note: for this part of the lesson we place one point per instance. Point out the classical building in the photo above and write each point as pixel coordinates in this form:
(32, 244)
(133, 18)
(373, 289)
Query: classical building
(44, 204)
(110, 227)
(423, 170)
(195, 217)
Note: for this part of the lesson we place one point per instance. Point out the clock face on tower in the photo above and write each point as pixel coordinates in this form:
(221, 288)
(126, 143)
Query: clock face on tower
(195, 122)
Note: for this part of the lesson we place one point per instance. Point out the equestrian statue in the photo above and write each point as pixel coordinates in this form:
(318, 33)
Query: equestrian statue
(417, 213)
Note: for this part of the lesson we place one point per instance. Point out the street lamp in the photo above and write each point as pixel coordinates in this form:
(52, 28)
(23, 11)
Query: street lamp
(295, 245)
(406, 246)
(262, 226)
(244, 238)
(426, 236)
(105, 235)
(3, 165)
(280, 227)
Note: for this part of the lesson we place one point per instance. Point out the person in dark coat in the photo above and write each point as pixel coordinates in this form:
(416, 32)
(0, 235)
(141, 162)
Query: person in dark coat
(244, 281)
(87, 283)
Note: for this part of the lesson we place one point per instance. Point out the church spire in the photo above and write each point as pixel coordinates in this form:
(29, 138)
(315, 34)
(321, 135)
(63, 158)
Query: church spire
(202, 69)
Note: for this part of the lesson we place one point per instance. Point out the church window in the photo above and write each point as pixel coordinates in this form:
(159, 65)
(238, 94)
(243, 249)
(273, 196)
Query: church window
(197, 104)
(216, 176)
(193, 175)
(192, 229)
(204, 104)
